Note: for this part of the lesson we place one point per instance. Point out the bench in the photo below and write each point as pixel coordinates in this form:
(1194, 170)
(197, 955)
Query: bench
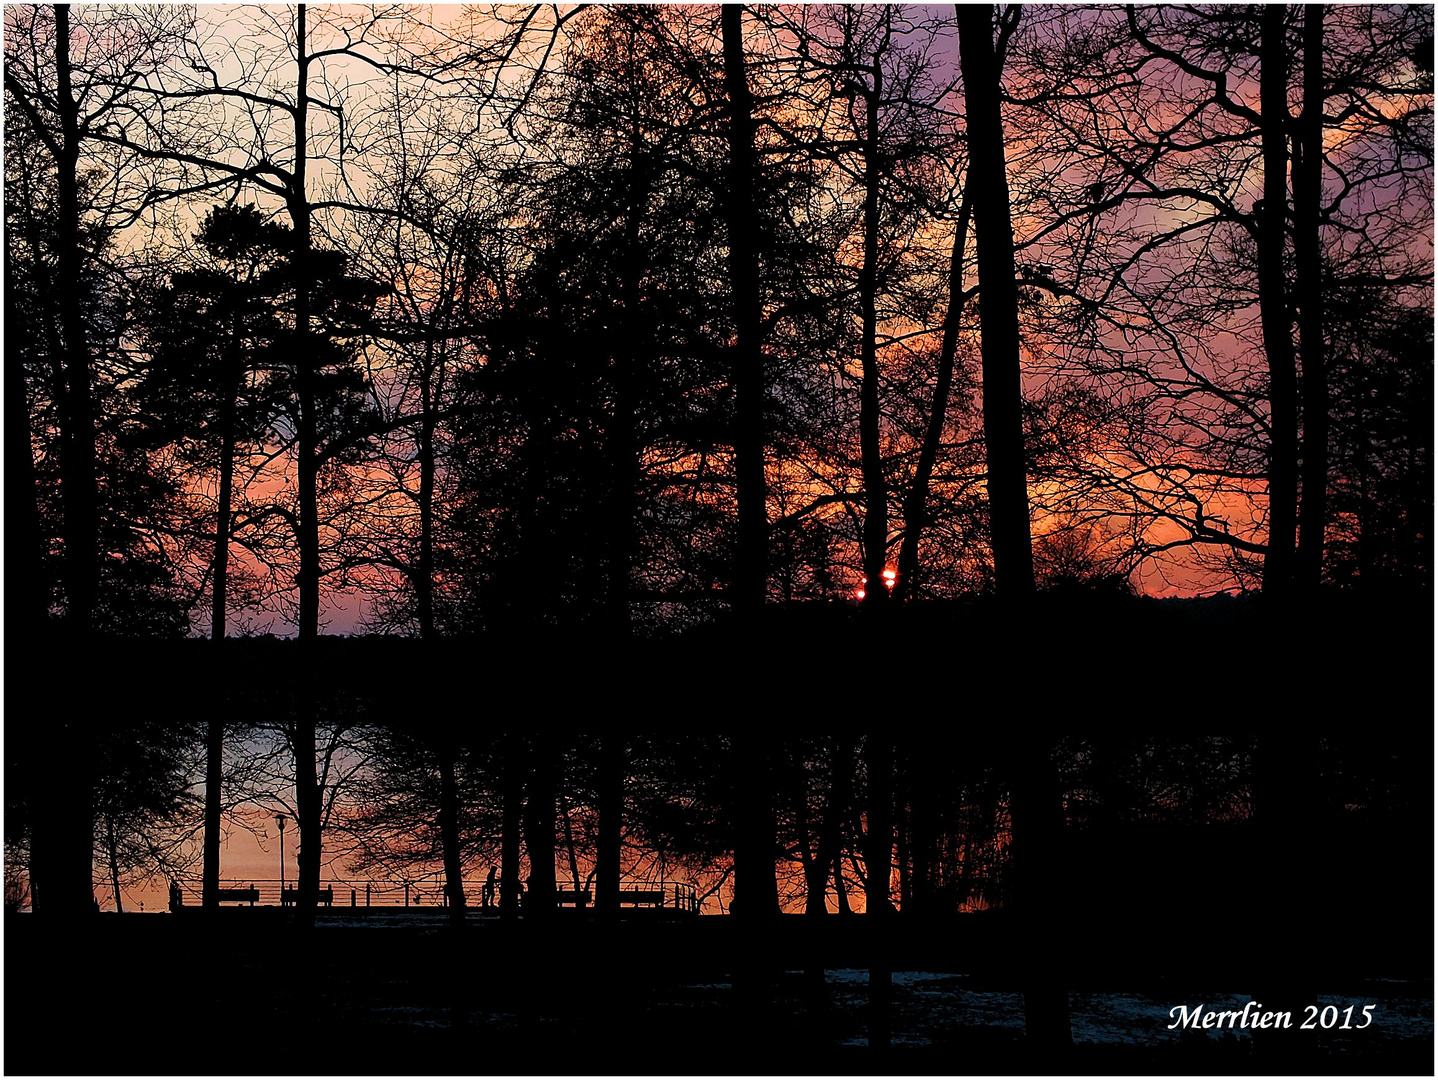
(637, 897)
(569, 896)
(291, 896)
(237, 896)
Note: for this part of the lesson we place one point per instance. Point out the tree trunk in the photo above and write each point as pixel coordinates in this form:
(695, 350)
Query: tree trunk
(215, 729)
(539, 810)
(307, 465)
(813, 868)
(1036, 816)
(214, 769)
(113, 853)
(62, 821)
(623, 436)
(513, 770)
(220, 555)
(924, 756)
(1309, 294)
(876, 502)
(308, 801)
(307, 793)
(611, 814)
(423, 577)
(79, 491)
(449, 834)
(30, 604)
(569, 845)
(841, 891)
(1273, 305)
(914, 505)
(1285, 812)
(810, 862)
(831, 840)
(751, 575)
(756, 888)
(878, 865)
(998, 307)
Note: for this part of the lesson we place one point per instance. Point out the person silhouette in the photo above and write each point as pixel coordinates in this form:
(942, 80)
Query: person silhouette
(486, 894)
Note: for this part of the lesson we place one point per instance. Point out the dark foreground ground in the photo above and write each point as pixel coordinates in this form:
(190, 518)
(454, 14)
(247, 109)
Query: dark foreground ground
(249, 993)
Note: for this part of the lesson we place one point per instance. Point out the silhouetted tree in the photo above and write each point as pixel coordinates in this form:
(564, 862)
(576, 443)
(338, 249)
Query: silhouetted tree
(998, 304)
(1381, 373)
(207, 389)
(747, 371)
(146, 812)
(1181, 364)
(427, 796)
(98, 493)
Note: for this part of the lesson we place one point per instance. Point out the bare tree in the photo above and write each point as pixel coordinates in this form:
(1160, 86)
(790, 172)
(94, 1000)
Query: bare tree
(748, 368)
(64, 79)
(999, 320)
(1161, 271)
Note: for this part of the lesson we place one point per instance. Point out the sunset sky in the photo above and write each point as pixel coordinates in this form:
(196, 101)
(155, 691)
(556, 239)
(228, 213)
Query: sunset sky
(596, 325)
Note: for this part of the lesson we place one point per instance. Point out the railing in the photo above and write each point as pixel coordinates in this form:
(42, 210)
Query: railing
(663, 895)
(427, 893)
(261, 892)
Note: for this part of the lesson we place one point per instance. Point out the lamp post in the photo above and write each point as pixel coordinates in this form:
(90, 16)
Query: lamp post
(280, 822)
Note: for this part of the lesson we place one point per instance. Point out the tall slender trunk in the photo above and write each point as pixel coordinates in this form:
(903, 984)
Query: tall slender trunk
(539, 809)
(62, 839)
(307, 466)
(756, 888)
(831, 838)
(1309, 293)
(925, 754)
(423, 577)
(914, 505)
(220, 554)
(449, 832)
(513, 804)
(876, 501)
(751, 575)
(79, 490)
(878, 865)
(215, 728)
(1286, 815)
(1273, 304)
(623, 435)
(112, 851)
(1036, 816)
(62, 821)
(307, 792)
(815, 875)
(308, 797)
(879, 836)
(569, 844)
(998, 307)
(841, 891)
(611, 814)
(813, 868)
(214, 770)
(26, 582)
